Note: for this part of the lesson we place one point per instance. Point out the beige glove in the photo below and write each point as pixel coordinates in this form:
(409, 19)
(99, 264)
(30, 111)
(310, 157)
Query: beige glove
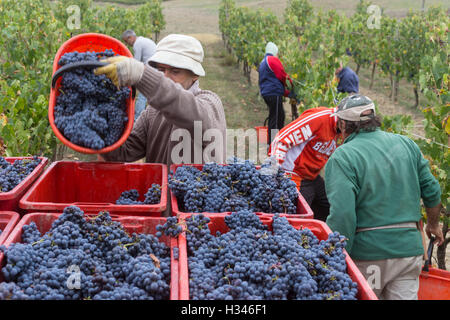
(122, 71)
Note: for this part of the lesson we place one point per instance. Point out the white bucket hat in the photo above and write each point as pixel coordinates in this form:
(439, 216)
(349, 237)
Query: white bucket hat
(180, 51)
(271, 48)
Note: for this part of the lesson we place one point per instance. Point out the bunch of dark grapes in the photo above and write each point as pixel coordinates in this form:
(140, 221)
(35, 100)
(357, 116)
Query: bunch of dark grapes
(153, 194)
(171, 228)
(13, 174)
(234, 187)
(90, 111)
(85, 258)
(130, 197)
(250, 262)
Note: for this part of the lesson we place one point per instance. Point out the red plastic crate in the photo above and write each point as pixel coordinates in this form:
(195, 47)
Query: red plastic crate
(303, 209)
(8, 220)
(95, 186)
(90, 42)
(434, 284)
(319, 228)
(131, 224)
(9, 201)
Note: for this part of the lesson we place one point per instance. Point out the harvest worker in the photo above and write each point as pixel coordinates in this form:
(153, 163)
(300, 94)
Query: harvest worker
(178, 108)
(374, 182)
(302, 149)
(272, 86)
(143, 49)
(348, 80)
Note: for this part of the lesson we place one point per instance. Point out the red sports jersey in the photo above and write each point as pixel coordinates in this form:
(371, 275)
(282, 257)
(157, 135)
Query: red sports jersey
(303, 147)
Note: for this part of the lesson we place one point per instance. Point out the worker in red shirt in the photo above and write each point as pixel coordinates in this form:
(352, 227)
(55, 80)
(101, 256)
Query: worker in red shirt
(302, 149)
(273, 84)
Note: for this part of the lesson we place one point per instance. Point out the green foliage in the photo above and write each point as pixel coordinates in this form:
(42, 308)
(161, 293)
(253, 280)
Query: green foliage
(297, 15)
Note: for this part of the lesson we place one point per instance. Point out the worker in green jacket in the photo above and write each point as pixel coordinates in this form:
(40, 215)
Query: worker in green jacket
(375, 182)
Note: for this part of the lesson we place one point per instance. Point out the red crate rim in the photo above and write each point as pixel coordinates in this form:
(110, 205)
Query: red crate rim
(25, 182)
(13, 218)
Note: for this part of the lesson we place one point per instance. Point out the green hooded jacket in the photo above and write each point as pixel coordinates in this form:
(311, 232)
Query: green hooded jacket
(377, 179)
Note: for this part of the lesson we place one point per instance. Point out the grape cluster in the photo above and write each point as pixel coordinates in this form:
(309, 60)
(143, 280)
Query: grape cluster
(86, 258)
(234, 187)
(171, 228)
(250, 262)
(90, 111)
(130, 197)
(12, 174)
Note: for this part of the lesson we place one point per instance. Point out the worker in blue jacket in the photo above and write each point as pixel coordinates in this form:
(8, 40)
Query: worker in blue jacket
(273, 86)
(348, 80)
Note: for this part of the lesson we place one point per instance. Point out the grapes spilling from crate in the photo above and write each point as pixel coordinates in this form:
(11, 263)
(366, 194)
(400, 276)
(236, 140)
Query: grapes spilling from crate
(131, 197)
(239, 185)
(13, 174)
(90, 111)
(84, 257)
(249, 262)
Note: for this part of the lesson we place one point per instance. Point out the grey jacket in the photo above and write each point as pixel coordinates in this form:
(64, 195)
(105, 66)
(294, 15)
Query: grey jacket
(176, 122)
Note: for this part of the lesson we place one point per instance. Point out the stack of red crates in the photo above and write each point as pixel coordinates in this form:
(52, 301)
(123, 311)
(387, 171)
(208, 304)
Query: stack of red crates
(95, 186)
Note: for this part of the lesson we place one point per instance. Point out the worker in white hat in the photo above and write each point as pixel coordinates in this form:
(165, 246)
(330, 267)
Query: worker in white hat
(170, 82)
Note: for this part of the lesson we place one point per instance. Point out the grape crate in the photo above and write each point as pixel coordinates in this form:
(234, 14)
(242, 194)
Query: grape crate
(247, 261)
(239, 185)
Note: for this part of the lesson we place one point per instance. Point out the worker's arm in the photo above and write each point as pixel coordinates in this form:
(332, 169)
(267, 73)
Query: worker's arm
(433, 228)
(431, 195)
(277, 68)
